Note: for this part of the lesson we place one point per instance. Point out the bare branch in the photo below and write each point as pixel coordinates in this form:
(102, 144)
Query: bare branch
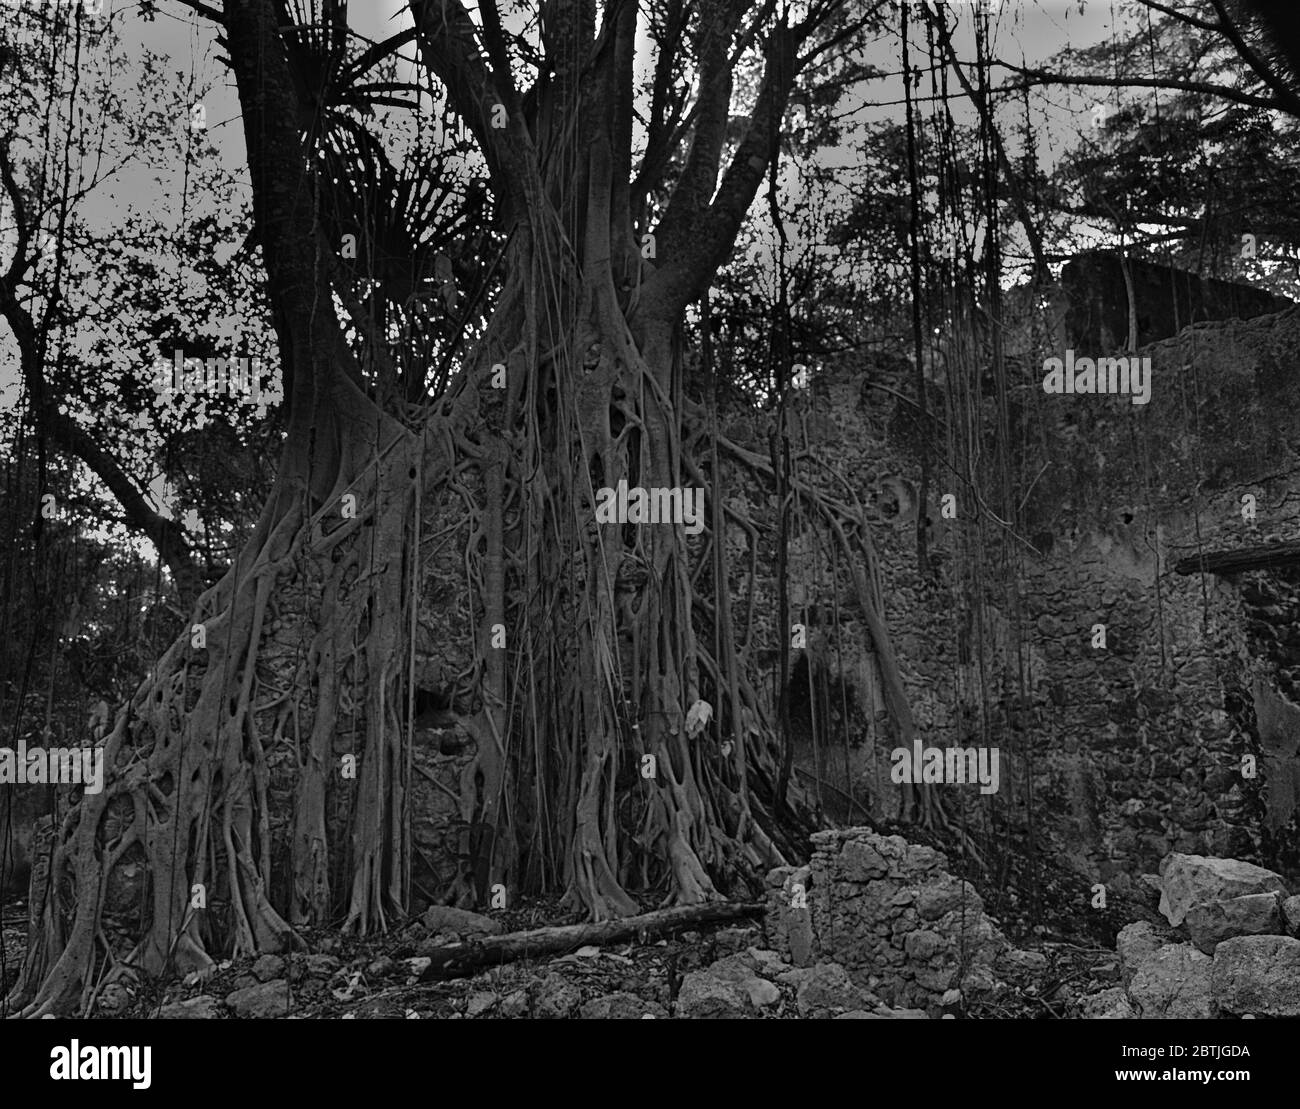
(809, 25)
(167, 535)
(1182, 17)
(205, 10)
(665, 109)
(688, 267)
(67, 435)
(1034, 77)
(374, 55)
(21, 260)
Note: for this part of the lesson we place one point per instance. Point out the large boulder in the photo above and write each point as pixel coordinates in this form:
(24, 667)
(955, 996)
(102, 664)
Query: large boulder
(1173, 983)
(826, 990)
(741, 969)
(261, 1001)
(1258, 975)
(1255, 914)
(1187, 880)
(268, 967)
(202, 1007)
(708, 996)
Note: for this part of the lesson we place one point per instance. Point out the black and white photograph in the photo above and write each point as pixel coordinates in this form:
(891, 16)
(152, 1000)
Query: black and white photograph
(649, 510)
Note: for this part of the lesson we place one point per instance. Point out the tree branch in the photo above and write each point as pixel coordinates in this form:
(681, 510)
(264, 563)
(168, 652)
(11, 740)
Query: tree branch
(620, 19)
(445, 36)
(495, 42)
(167, 536)
(660, 127)
(1182, 17)
(699, 178)
(1232, 33)
(687, 268)
(205, 10)
(1042, 77)
(375, 54)
(1278, 23)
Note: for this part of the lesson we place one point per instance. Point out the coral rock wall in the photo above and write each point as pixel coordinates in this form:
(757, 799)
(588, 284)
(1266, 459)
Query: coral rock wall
(1125, 752)
(889, 913)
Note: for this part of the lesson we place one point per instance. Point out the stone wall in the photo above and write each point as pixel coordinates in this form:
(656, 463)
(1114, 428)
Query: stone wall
(1122, 753)
(889, 913)
(1167, 709)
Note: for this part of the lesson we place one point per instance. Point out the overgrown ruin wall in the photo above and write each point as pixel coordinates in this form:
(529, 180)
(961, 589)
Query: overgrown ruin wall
(887, 911)
(1131, 750)
(1111, 758)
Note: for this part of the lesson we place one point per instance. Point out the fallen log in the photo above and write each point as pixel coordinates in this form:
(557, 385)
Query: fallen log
(1241, 559)
(458, 960)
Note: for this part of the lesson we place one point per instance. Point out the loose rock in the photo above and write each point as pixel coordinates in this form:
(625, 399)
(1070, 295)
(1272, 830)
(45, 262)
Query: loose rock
(1134, 943)
(826, 990)
(266, 999)
(556, 998)
(479, 1003)
(515, 1004)
(707, 996)
(1112, 1004)
(1172, 983)
(202, 1007)
(113, 998)
(1255, 914)
(1259, 975)
(620, 1006)
(1187, 880)
(268, 967)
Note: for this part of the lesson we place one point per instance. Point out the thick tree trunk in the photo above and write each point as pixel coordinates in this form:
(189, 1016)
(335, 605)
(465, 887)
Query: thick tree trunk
(616, 754)
(241, 709)
(587, 770)
(218, 726)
